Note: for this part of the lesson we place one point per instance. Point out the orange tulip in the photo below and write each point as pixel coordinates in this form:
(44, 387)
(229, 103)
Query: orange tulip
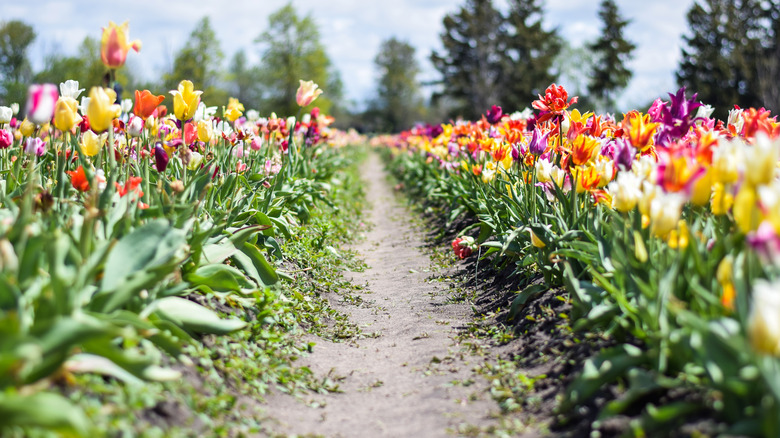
(79, 179)
(146, 103)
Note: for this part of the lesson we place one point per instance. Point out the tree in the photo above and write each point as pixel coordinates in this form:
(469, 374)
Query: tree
(398, 102)
(530, 53)
(472, 63)
(199, 61)
(293, 52)
(243, 79)
(15, 71)
(721, 54)
(610, 73)
(769, 65)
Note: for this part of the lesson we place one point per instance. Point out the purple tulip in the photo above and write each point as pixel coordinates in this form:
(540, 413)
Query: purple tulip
(538, 143)
(35, 146)
(494, 114)
(160, 158)
(625, 154)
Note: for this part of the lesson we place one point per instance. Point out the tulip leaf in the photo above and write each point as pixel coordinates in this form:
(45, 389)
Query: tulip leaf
(148, 246)
(42, 410)
(218, 277)
(196, 318)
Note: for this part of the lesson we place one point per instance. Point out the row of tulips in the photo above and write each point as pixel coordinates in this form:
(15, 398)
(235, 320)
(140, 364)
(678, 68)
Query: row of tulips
(119, 219)
(662, 227)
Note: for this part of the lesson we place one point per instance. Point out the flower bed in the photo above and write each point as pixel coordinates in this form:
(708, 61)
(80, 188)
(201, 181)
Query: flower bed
(661, 226)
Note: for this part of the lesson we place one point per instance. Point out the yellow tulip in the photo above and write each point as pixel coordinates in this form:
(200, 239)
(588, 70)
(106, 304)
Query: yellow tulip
(234, 109)
(66, 114)
(746, 212)
(702, 189)
(91, 143)
(101, 109)
(722, 200)
(205, 131)
(761, 166)
(185, 100)
(27, 128)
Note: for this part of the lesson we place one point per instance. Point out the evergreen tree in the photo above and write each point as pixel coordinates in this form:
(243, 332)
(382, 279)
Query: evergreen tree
(472, 63)
(722, 54)
(610, 73)
(398, 102)
(530, 51)
(293, 52)
(15, 71)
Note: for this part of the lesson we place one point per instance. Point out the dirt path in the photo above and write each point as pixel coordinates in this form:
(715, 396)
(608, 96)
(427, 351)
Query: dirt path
(399, 383)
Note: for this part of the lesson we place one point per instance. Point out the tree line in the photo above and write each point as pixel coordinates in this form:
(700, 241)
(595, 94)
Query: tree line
(489, 56)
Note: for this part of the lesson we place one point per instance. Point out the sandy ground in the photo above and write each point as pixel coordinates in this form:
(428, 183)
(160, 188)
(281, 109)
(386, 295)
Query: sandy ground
(399, 383)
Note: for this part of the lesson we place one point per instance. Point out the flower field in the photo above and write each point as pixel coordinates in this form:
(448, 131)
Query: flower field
(123, 225)
(659, 227)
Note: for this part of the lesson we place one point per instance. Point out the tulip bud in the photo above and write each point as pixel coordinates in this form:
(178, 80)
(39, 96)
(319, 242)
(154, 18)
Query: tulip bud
(160, 158)
(135, 127)
(27, 128)
(6, 138)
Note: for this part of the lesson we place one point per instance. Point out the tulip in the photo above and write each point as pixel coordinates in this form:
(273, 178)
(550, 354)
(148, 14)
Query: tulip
(665, 211)
(763, 325)
(626, 191)
(101, 109)
(195, 161)
(6, 139)
(78, 179)
(494, 114)
(538, 143)
(35, 146)
(307, 92)
(27, 128)
(543, 169)
(205, 131)
(146, 103)
(185, 100)
(234, 109)
(41, 99)
(66, 116)
(761, 167)
(160, 158)
(6, 115)
(91, 143)
(70, 88)
(135, 126)
(114, 45)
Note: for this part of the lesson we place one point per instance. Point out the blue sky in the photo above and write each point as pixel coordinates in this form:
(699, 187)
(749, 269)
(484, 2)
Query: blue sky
(351, 30)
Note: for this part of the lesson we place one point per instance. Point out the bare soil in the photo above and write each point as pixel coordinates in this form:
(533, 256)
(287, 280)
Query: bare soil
(407, 376)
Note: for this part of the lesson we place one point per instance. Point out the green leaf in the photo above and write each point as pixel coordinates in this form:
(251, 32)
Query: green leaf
(44, 410)
(194, 317)
(148, 246)
(218, 277)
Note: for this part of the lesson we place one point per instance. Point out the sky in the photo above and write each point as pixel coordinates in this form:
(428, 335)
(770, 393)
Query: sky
(351, 31)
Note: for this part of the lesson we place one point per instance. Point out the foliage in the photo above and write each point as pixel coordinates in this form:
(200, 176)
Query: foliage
(471, 62)
(15, 70)
(398, 104)
(292, 50)
(199, 61)
(530, 53)
(723, 51)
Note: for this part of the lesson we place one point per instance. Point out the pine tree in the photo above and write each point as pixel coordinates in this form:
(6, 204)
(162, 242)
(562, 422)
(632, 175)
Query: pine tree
(722, 54)
(530, 52)
(398, 102)
(610, 73)
(472, 63)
